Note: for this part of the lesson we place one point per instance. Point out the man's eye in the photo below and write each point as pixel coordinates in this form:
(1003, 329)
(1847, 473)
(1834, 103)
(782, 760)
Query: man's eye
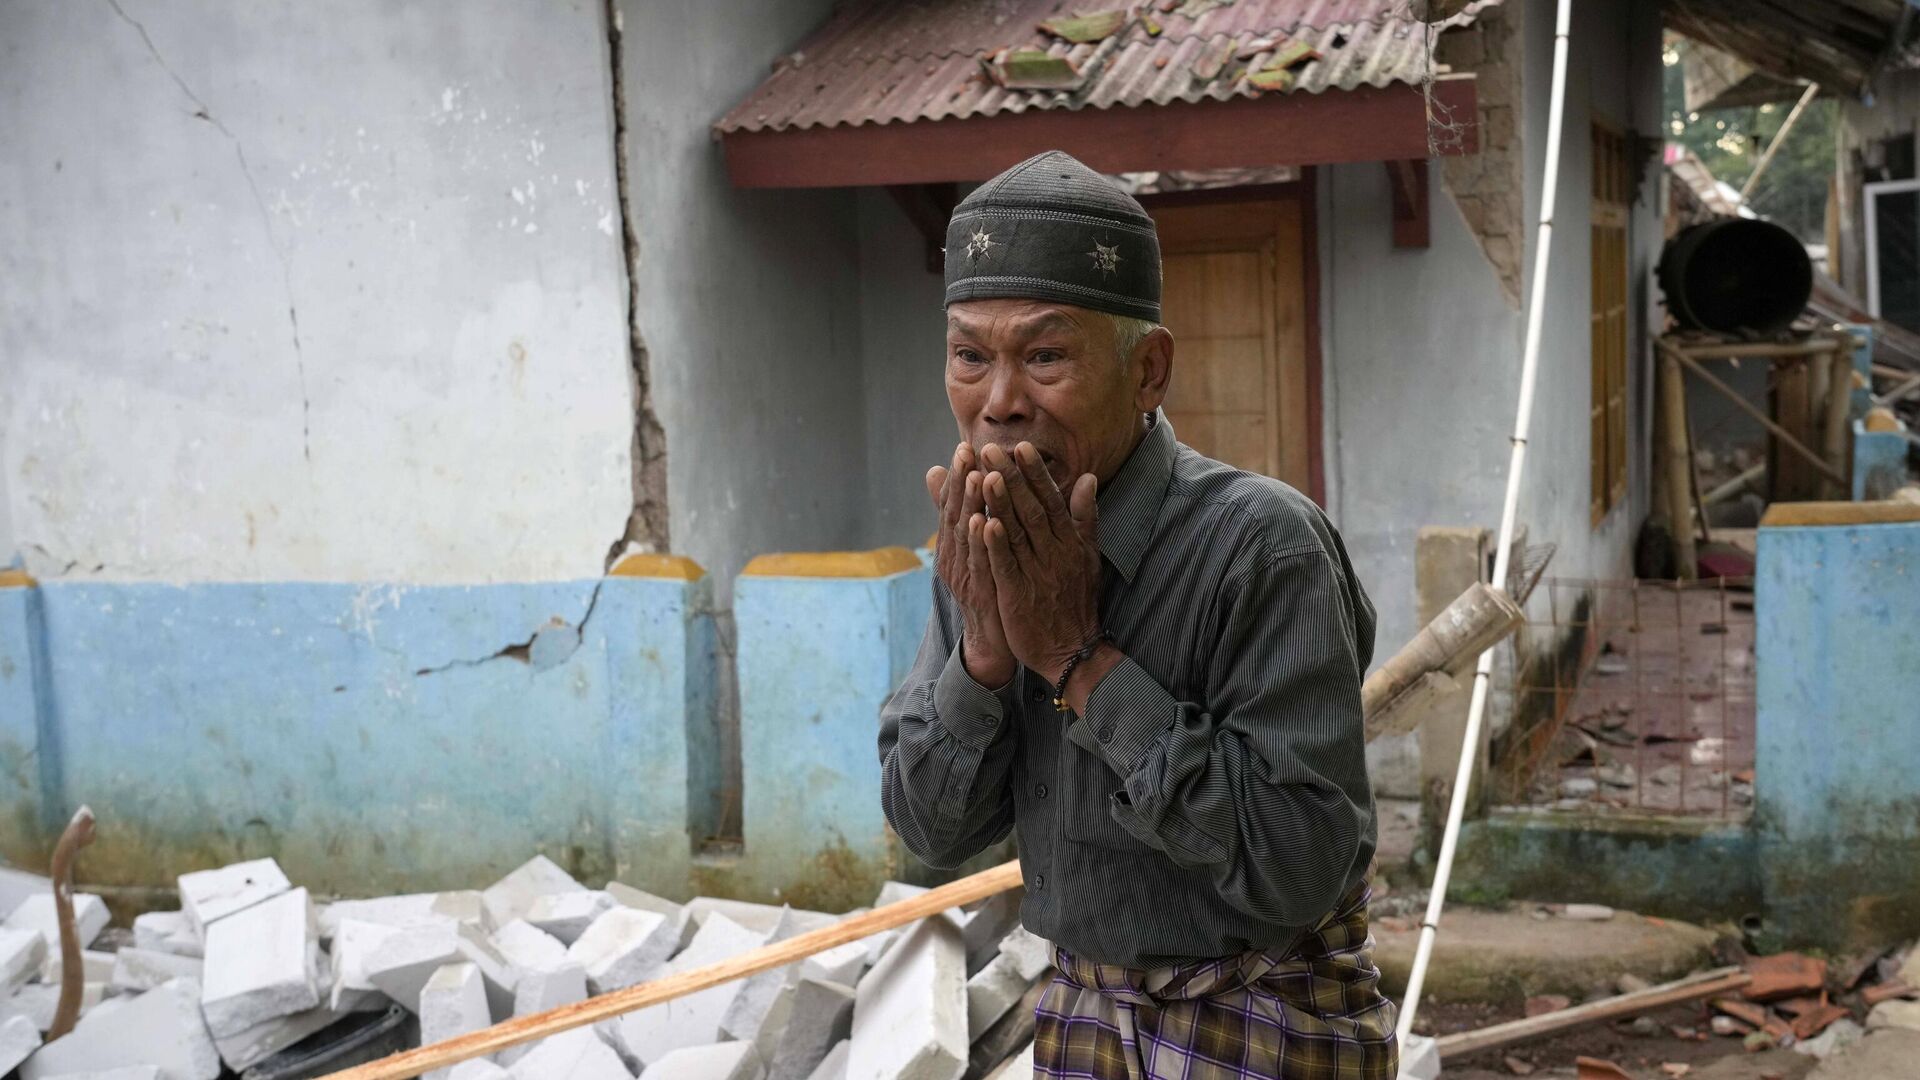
(968, 356)
(1048, 356)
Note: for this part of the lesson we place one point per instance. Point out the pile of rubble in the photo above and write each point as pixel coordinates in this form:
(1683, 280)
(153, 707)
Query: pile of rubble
(252, 971)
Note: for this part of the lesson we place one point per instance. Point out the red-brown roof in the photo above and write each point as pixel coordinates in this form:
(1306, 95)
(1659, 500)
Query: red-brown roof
(899, 61)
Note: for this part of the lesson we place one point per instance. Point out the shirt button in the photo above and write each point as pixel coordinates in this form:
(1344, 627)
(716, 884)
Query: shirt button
(1039, 882)
(1040, 791)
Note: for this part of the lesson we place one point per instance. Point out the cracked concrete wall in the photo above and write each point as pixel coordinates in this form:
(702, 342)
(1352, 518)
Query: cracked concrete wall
(317, 292)
(748, 301)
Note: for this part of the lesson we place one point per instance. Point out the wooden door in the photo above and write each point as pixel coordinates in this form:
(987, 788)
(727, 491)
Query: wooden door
(1235, 297)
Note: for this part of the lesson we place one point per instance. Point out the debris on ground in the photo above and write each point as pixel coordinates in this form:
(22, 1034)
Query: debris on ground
(252, 965)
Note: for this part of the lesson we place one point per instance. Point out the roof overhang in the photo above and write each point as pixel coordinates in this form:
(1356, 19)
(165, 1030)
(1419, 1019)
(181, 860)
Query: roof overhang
(1368, 123)
(1840, 44)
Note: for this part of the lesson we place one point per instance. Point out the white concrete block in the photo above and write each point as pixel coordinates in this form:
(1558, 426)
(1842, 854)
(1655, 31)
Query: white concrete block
(412, 909)
(715, 1061)
(17, 885)
(528, 948)
(400, 965)
(676, 914)
(161, 1027)
(841, 964)
(574, 1055)
(208, 896)
(991, 992)
(910, 1017)
(262, 962)
(37, 913)
(759, 918)
(38, 1001)
(98, 966)
(248, 1048)
(820, 1018)
(567, 915)
(454, 1002)
(477, 1069)
(893, 892)
(124, 1072)
(622, 947)
(749, 1007)
(508, 898)
(538, 991)
(167, 931)
(22, 955)
(1032, 956)
(1017, 1067)
(353, 942)
(1419, 1059)
(767, 1041)
(495, 971)
(694, 1019)
(834, 1065)
(18, 1040)
(987, 924)
(136, 969)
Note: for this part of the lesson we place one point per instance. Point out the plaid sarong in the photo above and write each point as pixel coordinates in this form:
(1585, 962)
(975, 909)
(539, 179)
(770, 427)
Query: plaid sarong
(1312, 1012)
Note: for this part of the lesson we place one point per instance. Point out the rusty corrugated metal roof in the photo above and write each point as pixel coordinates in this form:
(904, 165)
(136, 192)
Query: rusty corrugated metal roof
(888, 61)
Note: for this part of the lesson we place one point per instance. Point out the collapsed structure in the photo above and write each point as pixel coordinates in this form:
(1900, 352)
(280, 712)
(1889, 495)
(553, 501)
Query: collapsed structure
(254, 975)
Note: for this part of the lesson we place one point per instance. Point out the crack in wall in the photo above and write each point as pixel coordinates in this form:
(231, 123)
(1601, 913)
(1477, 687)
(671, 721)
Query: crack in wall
(530, 651)
(647, 520)
(202, 112)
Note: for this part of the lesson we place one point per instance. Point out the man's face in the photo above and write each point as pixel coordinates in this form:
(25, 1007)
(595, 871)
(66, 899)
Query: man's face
(1044, 373)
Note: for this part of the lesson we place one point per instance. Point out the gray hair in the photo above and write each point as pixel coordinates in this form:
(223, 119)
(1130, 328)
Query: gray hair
(1128, 333)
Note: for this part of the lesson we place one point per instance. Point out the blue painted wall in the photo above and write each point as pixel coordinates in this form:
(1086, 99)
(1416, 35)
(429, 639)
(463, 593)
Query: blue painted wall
(818, 657)
(369, 736)
(1879, 463)
(1838, 684)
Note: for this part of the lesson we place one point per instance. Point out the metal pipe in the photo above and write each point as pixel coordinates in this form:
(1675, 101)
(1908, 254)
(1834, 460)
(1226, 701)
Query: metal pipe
(1503, 553)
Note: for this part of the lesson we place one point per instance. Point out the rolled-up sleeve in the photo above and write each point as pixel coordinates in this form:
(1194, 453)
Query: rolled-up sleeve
(946, 751)
(1263, 784)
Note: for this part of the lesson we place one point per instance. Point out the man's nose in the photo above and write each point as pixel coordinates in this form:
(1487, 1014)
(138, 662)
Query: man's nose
(1007, 401)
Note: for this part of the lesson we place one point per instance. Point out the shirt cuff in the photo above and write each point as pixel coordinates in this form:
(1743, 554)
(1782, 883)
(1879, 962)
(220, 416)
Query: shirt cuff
(1127, 712)
(970, 712)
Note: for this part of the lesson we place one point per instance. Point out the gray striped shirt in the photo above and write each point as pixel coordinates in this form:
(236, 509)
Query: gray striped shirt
(1214, 797)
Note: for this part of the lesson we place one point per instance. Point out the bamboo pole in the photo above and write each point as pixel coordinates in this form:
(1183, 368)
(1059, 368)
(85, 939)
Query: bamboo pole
(1509, 513)
(1476, 620)
(1734, 486)
(1758, 350)
(1773, 145)
(522, 1029)
(1678, 457)
(1839, 397)
(1768, 422)
(1691, 988)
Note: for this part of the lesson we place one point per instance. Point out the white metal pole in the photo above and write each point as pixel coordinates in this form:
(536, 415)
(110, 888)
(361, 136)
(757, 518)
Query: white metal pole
(1483, 671)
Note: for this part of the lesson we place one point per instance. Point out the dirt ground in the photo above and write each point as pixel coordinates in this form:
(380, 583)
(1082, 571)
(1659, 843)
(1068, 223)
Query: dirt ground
(1716, 1058)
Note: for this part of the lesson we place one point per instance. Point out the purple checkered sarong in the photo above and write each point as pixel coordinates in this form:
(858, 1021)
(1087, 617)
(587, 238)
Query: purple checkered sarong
(1312, 1012)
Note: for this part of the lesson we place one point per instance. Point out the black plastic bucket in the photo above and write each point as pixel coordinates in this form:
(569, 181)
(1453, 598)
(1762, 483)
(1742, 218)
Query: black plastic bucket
(1736, 276)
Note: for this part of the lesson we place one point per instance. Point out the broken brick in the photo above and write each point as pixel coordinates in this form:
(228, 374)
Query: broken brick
(1784, 975)
(1547, 1003)
(1874, 995)
(1818, 1019)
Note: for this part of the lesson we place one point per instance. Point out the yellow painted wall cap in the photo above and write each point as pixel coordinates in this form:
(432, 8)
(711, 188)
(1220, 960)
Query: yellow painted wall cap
(646, 565)
(1840, 513)
(880, 562)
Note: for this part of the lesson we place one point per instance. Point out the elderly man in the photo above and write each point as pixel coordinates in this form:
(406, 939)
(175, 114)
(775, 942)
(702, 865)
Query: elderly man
(1146, 661)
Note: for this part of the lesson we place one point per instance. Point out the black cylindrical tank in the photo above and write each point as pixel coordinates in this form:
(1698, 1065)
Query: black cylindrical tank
(1736, 275)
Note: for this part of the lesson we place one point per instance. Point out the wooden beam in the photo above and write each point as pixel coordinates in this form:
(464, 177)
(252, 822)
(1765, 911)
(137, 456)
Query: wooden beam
(1786, 437)
(1691, 988)
(1368, 123)
(929, 207)
(1408, 182)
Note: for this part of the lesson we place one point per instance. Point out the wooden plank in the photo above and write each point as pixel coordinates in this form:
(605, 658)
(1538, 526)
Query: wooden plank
(1691, 988)
(581, 1013)
(1678, 458)
(1837, 423)
(1364, 124)
(1407, 183)
(1747, 407)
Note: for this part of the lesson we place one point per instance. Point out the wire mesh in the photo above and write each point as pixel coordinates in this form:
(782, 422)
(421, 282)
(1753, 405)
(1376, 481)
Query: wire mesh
(1634, 697)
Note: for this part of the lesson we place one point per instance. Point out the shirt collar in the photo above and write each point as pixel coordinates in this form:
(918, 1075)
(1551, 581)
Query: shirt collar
(1130, 502)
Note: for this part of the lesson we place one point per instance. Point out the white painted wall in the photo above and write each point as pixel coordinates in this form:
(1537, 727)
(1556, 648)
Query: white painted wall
(910, 427)
(428, 190)
(748, 300)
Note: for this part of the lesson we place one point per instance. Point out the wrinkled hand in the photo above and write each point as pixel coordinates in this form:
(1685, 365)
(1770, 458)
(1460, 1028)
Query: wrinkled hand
(960, 558)
(1044, 551)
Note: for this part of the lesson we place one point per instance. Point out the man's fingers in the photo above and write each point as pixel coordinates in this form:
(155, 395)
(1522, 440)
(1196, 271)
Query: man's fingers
(1040, 482)
(962, 463)
(974, 500)
(1085, 507)
(979, 568)
(937, 487)
(1022, 502)
(1000, 505)
(1006, 568)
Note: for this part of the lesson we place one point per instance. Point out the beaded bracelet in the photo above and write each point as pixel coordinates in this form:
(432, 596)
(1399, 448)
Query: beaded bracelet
(1085, 653)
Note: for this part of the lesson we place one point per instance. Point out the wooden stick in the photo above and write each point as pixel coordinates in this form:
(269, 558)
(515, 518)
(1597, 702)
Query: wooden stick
(1759, 350)
(1699, 985)
(522, 1029)
(1785, 436)
(1677, 456)
(1838, 424)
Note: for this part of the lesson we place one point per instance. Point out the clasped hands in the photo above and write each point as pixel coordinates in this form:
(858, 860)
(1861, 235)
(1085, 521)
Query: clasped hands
(1020, 557)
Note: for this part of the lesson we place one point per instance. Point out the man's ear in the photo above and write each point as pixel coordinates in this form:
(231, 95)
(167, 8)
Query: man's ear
(1152, 369)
